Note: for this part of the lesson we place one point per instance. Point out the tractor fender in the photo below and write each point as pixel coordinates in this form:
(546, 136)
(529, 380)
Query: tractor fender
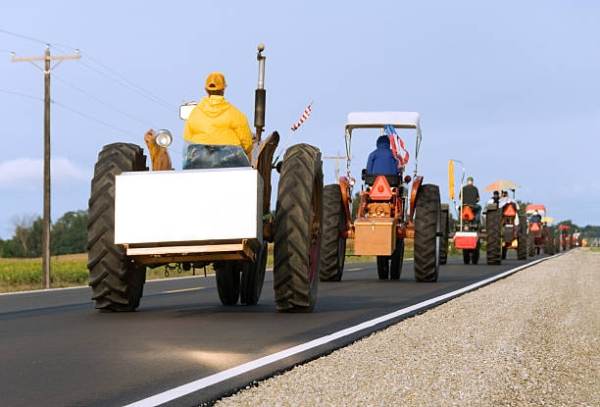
(417, 182)
(346, 202)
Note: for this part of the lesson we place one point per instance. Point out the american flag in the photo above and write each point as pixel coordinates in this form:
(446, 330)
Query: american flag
(303, 118)
(397, 144)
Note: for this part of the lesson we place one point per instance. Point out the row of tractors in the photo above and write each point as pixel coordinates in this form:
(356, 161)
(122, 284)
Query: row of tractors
(504, 226)
(217, 211)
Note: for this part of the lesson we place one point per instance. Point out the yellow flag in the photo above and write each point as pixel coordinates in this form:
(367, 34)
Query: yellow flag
(451, 179)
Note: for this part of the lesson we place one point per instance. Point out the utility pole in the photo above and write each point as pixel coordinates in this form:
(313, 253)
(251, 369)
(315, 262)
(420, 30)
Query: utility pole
(46, 221)
(337, 159)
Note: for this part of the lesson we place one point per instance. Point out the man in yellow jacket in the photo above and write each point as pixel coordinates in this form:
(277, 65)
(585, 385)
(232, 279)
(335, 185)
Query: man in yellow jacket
(215, 121)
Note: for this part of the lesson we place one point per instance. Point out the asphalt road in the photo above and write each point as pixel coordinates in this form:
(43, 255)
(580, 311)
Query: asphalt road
(56, 350)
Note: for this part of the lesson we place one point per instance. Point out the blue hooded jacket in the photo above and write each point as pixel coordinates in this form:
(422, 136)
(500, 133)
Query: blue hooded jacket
(382, 161)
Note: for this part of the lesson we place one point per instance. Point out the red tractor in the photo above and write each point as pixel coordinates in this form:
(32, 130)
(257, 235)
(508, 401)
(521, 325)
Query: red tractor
(505, 229)
(539, 234)
(565, 237)
(390, 210)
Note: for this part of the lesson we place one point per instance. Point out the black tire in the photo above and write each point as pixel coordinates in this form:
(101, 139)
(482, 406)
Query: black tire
(446, 232)
(117, 282)
(427, 234)
(397, 260)
(494, 239)
(522, 238)
(466, 256)
(333, 245)
(383, 267)
(531, 245)
(253, 277)
(548, 243)
(475, 254)
(228, 281)
(298, 223)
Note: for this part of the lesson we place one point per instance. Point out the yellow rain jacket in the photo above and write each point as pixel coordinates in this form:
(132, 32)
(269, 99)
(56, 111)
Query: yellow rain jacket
(216, 121)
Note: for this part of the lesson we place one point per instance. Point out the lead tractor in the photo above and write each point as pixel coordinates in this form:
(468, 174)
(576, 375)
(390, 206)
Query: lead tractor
(506, 230)
(215, 211)
(391, 209)
(565, 237)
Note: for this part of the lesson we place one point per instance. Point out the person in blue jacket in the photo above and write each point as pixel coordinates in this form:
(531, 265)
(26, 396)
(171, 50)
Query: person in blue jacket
(382, 160)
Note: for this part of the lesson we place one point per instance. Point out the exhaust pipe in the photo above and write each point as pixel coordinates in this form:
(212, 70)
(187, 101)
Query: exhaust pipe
(260, 97)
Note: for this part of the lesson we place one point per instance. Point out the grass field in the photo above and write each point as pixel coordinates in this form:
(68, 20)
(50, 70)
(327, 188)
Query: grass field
(70, 270)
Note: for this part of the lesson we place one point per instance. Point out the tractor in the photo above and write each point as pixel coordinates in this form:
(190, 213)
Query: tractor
(539, 232)
(391, 209)
(505, 229)
(565, 236)
(208, 213)
(468, 231)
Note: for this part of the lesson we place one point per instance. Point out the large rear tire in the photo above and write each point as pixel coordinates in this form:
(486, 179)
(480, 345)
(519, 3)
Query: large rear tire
(427, 234)
(333, 245)
(531, 245)
(522, 238)
(253, 277)
(397, 260)
(117, 282)
(298, 220)
(383, 267)
(446, 232)
(494, 238)
(228, 281)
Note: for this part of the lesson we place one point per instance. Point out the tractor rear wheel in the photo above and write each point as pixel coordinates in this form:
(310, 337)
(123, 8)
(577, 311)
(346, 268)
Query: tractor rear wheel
(475, 254)
(298, 223)
(383, 267)
(522, 238)
(228, 281)
(333, 245)
(446, 232)
(531, 245)
(253, 277)
(494, 238)
(466, 256)
(117, 282)
(397, 260)
(428, 234)
(548, 243)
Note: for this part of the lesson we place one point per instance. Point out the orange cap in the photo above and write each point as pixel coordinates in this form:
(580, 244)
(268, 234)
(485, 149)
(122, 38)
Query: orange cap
(215, 81)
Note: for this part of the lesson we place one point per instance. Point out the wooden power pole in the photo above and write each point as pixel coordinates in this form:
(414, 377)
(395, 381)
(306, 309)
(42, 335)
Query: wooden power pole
(47, 58)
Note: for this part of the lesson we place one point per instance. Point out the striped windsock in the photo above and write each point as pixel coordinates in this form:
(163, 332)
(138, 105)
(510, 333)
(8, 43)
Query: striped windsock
(303, 118)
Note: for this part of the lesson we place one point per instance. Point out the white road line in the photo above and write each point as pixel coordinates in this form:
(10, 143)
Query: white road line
(183, 290)
(207, 381)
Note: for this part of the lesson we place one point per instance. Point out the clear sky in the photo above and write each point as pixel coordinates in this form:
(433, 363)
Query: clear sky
(511, 88)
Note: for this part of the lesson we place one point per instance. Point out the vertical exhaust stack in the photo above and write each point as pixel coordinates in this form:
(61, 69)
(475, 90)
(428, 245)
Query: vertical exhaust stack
(260, 99)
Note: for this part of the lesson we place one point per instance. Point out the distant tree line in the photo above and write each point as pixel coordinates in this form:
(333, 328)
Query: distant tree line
(68, 235)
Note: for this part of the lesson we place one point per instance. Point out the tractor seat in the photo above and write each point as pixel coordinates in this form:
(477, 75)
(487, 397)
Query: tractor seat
(369, 179)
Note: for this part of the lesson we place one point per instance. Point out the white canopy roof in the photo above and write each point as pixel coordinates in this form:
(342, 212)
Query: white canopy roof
(372, 120)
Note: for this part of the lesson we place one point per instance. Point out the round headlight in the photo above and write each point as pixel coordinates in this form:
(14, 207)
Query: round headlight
(163, 138)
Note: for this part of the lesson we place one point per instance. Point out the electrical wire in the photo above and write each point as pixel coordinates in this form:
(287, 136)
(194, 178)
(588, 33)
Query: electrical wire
(66, 107)
(98, 100)
(24, 37)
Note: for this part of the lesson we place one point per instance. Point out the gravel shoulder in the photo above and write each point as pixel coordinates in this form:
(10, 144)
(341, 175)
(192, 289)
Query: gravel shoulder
(530, 339)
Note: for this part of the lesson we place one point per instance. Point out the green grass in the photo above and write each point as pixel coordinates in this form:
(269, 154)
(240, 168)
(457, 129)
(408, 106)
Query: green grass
(71, 270)
(595, 249)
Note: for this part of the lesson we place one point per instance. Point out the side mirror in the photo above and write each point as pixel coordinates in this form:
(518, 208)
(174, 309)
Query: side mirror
(363, 174)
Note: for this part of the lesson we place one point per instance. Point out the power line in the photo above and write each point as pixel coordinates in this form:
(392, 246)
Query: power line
(116, 76)
(24, 95)
(100, 101)
(24, 37)
(69, 108)
(89, 117)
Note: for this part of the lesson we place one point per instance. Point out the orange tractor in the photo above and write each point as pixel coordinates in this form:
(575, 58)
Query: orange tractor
(539, 233)
(505, 229)
(468, 231)
(565, 237)
(391, 209)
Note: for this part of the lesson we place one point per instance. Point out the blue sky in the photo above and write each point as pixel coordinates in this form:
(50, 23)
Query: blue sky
(510, 88)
